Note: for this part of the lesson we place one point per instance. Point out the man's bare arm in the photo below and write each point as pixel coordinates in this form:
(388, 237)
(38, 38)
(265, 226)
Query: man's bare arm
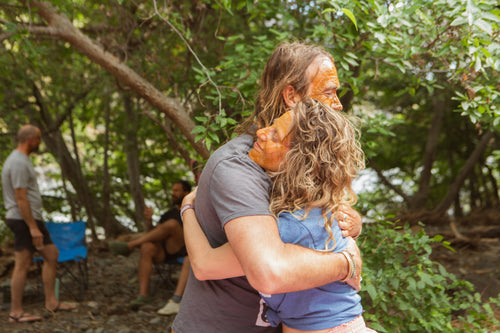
(272, 266)
(24, 207)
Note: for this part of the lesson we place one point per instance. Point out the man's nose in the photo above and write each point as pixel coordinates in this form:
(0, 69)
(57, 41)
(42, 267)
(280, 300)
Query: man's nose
(336, 105)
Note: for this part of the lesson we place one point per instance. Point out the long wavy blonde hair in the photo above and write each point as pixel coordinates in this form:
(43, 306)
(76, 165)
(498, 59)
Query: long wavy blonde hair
(318, 171)
(286, 66)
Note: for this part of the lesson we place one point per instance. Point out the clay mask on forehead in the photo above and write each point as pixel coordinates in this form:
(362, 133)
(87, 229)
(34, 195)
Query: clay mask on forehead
(272, 143)
(325, 82)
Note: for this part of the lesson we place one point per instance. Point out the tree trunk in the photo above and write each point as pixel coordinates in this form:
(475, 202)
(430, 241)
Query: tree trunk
(71, 168)
(464, 172)
(61, 27)
(133, 168)
(418, 200)
(106, 192)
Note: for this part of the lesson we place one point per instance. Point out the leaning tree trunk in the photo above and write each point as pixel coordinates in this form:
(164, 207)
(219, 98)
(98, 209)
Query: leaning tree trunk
(60, 26)
(464, 172)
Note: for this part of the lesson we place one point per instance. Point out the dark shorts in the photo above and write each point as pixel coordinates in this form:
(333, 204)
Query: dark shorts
(168, 257)
(22, 235)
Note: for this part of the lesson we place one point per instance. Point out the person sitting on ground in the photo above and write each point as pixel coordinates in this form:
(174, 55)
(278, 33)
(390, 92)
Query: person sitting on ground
(312, 156)
(162, 243)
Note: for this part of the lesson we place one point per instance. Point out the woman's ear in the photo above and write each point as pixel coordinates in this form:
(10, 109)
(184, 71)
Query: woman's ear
(290, 96)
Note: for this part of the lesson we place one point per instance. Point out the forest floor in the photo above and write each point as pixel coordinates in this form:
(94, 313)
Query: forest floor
(113, 283)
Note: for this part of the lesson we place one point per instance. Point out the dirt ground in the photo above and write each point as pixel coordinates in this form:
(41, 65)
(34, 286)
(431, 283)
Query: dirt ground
(113, 283)
(105, 307)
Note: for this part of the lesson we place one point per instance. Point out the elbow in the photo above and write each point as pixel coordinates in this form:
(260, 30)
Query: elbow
(267, 279)
(199, 271)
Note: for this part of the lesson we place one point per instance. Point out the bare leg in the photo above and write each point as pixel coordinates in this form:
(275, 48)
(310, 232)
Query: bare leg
(150, 253)
(49, 270)
(183, 277)
(158, 234)
(50, 255)
(22, 264)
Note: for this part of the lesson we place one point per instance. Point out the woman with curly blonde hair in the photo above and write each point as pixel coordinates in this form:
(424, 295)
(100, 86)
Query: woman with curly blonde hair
(312, 155)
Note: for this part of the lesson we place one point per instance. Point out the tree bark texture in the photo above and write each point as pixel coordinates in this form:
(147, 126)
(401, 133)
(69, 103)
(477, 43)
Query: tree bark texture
(133, 167)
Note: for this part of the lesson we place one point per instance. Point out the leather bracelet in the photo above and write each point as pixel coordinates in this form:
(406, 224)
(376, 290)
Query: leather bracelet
(184, 208)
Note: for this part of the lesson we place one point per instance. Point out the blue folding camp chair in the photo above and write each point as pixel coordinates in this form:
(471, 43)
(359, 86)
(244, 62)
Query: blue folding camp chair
(69, 238)
(167, 269)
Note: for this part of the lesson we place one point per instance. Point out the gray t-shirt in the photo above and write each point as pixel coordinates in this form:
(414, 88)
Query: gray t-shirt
(231, 186)
(18, 172)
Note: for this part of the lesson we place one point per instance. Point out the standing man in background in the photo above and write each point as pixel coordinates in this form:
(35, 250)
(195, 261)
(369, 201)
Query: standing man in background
(23, 203)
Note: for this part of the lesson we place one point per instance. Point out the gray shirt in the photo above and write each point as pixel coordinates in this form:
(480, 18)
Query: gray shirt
(231, 186)
(18, 172)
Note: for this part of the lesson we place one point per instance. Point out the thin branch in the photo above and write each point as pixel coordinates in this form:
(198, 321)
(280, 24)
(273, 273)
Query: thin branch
(170, 137)
(193, 53)
(386, 181)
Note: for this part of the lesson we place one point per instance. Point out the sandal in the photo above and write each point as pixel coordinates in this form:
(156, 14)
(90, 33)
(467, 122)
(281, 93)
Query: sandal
(23, 318)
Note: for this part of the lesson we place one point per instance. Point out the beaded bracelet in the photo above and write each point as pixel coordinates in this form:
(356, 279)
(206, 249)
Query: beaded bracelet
(352, 266)
(184, 208)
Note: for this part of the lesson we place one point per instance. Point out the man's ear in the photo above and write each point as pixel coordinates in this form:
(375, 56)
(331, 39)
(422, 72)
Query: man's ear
(290, 96)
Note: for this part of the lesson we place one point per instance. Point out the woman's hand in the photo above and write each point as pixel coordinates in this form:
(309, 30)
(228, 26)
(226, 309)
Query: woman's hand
(189, 199)
(349, 222)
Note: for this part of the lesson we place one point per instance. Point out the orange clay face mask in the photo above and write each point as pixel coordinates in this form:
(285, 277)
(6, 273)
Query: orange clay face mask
(325, 82)
(272, 143)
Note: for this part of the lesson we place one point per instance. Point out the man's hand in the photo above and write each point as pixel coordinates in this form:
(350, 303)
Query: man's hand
(148, 213)
(349, 222)
(148, 218)
(189, 199)
(37, 237)
(353, 249)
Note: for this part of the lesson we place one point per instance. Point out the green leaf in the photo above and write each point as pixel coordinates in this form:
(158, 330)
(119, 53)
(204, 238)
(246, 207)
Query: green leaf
(483, 25)
(458, 21)
(372, 291)
(199, 129)
(351, 16)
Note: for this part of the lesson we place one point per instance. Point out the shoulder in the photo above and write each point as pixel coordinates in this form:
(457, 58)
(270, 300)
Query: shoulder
(17, 163)
(230, 166)
(309, 231)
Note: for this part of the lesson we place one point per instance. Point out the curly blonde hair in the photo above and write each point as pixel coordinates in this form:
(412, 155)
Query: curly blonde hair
(318, 171)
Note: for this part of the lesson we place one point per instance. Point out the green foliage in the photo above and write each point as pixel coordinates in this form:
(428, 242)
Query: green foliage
(398, 62)
(405, 291)
(5, 234)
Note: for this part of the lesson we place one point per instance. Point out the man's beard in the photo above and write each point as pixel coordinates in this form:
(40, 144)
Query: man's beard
(176, 200)
(34, 149)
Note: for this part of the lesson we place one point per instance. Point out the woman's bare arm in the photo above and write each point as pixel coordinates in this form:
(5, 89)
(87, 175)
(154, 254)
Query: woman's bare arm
(207, 263)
